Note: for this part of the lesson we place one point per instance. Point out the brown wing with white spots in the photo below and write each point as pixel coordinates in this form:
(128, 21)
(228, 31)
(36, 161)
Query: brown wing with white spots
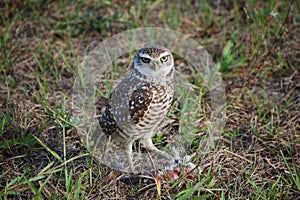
(140, 101)
(125, 113)
(107, 122)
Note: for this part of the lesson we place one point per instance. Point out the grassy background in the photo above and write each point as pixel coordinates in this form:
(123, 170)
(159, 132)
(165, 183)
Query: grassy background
(258, 156)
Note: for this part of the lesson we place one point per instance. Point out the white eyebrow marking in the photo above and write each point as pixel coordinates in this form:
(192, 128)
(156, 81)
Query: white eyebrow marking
(145, 55)
(164, 54)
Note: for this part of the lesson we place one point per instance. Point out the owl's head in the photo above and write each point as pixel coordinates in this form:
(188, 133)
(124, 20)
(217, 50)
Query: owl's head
(154, 61)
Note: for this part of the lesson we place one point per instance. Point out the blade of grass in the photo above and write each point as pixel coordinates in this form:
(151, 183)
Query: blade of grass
(49, 150)
(296, 178)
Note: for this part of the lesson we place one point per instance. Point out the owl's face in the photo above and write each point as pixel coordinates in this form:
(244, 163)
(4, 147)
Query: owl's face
(154, 61)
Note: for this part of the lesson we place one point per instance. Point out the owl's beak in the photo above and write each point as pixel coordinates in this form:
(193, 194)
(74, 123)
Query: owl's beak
(156, 66)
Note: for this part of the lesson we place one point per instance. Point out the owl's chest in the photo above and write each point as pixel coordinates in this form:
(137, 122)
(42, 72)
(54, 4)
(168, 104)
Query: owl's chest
(149, 112)
(138, 105)
(161, 102)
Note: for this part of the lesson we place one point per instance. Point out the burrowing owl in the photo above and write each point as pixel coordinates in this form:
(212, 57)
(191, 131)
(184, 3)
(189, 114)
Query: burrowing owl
(140, 101)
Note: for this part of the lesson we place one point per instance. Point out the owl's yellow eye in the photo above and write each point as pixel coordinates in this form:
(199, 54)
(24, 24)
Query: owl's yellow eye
(145, 60)
(164, 59)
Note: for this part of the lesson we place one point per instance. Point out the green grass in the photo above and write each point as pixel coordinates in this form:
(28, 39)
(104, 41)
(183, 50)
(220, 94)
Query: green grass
(257, 157)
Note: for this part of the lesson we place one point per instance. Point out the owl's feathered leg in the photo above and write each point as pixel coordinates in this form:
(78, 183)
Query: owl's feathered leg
(128, 152)
(148, 144)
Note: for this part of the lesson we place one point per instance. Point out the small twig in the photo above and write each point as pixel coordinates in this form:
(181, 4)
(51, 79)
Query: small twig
(270, 50)
(241, 157)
